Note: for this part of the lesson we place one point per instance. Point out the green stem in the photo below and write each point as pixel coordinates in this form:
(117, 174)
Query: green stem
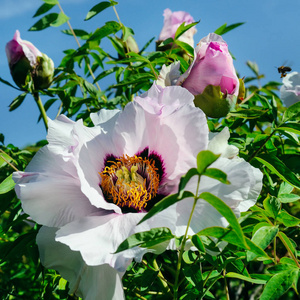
(163, 282)
(40, 105)
(176, 285)
(289, 250)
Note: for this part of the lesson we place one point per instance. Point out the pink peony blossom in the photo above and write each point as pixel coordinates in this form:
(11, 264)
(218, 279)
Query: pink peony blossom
(213, 65)
(172, 20)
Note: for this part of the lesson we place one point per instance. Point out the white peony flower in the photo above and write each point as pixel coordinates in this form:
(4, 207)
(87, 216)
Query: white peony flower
(95, 184)
(290, 90)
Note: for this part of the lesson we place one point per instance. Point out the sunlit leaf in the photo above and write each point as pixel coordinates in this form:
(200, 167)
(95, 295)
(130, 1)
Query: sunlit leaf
(245, 278)
(98, 8)
(204, 159)
(279, 168)
(7, 185)
(278, 285)
(262, 238)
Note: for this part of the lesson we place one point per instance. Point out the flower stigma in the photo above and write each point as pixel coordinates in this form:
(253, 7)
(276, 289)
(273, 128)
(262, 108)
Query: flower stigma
(130, 181)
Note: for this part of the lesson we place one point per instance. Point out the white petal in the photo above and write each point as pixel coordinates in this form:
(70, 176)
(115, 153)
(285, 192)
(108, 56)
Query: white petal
(169, 74)
(219, 144)
(50, 190)
(88, 282)
(105, 118)
(98, 237)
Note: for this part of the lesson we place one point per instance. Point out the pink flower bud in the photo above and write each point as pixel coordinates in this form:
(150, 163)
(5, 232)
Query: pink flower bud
(27, 62)
(213, 65)
(17, 49)
(172, 20)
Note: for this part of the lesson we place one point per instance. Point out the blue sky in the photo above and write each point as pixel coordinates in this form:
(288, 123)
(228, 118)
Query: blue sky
(269, 37)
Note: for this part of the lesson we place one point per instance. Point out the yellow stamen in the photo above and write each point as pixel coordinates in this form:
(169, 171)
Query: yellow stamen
(130, 181)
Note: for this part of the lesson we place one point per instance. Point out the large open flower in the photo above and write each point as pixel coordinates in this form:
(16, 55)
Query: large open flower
(95, 184)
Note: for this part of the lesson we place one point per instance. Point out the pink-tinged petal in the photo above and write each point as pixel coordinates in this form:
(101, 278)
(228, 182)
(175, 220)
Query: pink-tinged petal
(98, 237)
(17, 48)
(164, 101)
(52, 199)
(187, 124)
(87, 282)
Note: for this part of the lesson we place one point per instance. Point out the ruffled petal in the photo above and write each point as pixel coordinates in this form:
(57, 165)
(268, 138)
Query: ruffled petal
(51, 194)
(87, 282)
(98, 237)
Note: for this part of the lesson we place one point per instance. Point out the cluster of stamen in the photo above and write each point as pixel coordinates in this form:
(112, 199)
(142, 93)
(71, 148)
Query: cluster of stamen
(130, 181)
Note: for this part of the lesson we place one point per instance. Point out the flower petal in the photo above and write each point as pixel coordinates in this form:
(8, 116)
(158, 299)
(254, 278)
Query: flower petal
(88, 282)
(98, 237)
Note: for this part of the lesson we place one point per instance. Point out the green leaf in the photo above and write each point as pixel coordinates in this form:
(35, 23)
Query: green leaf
(204, 159)
(146, 239)
(53, 2)
(198, 243)
(186, 178)
(248, 113)
(61, 19)
(183, 28)
(230, 236)
(186, 47)
(262, 238)
(7, 83)
(43, 9)
(166, 42)
(17, 247)
(290, 127)
(226, 212)
(164, 203)
(288, 243)
(224, 28)
(288, 198)
(17, 102)
(272, 206)
(292, 113)
(287, 219)
(78, 32)
(245, 278)
(109, 28)
(279, 168)
(278, 285)
(285, 188)
(134, 79)
(7, 185)
(192, 273)
(216, 174)
(98, 8)
(92, 90)
(254, 67)
(44, 22)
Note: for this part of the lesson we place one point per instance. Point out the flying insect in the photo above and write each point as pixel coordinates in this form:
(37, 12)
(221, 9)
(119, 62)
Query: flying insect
(283, 70)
